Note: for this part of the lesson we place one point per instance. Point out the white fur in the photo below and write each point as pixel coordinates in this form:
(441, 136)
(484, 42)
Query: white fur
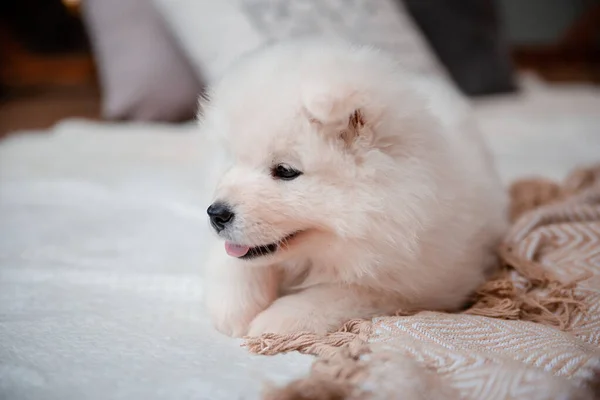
(401, 213)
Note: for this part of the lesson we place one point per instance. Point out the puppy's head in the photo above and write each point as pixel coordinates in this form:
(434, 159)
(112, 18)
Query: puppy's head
(317, 135)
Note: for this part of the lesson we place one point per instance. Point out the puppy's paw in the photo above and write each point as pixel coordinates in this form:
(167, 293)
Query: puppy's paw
(232, 325)
(234, 293)
(232, 317)
(286, 316)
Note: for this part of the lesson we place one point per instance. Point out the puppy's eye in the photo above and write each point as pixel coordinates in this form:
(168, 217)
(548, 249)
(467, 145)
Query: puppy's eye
(285, 172)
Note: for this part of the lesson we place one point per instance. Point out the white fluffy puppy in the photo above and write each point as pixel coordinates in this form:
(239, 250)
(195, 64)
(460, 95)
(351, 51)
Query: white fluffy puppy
(351, 192)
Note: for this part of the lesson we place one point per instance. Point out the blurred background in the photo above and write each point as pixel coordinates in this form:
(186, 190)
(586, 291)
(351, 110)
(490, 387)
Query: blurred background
(69, 58)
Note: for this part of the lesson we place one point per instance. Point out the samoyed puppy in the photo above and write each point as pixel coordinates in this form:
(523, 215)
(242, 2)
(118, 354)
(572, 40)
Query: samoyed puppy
(352, 189)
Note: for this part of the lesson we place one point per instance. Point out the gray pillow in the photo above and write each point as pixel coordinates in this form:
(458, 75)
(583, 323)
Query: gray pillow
(143, 75)
(215, 33)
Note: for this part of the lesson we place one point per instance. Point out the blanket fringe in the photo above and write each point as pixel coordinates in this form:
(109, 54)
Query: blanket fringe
(353, 332)
(338, 365)
(313, 387)
(529, 194)
(540, 297)
(543, 299)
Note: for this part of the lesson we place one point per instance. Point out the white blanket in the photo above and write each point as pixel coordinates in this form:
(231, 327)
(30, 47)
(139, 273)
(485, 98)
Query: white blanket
(101, 233)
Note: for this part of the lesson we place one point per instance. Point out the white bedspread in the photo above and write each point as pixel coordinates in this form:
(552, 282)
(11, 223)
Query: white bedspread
(101, 236)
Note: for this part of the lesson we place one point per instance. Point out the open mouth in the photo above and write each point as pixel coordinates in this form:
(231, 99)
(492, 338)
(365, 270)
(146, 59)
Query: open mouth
(247, 252)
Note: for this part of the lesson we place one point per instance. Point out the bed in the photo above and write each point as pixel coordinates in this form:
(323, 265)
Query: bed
(101, 235)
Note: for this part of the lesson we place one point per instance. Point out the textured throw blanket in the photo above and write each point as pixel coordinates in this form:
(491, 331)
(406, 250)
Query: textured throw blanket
(532, 333)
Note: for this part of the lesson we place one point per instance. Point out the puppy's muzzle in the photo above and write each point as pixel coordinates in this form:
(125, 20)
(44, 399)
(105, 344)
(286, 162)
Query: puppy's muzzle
(220, 215)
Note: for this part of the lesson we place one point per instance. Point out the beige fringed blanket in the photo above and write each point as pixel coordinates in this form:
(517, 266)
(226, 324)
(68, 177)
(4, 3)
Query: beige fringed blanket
(532, 333)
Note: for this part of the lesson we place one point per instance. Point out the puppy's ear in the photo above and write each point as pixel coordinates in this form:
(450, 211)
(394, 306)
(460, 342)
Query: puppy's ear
(343, 114)
(355, 130)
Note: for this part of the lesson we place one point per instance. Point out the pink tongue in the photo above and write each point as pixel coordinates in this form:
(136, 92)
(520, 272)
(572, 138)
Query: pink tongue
(236, 250)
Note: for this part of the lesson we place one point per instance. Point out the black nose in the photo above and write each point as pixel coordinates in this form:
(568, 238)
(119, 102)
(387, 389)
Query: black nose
(220, 215)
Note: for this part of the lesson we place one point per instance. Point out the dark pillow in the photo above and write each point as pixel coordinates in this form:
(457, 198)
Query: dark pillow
(468, 38)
